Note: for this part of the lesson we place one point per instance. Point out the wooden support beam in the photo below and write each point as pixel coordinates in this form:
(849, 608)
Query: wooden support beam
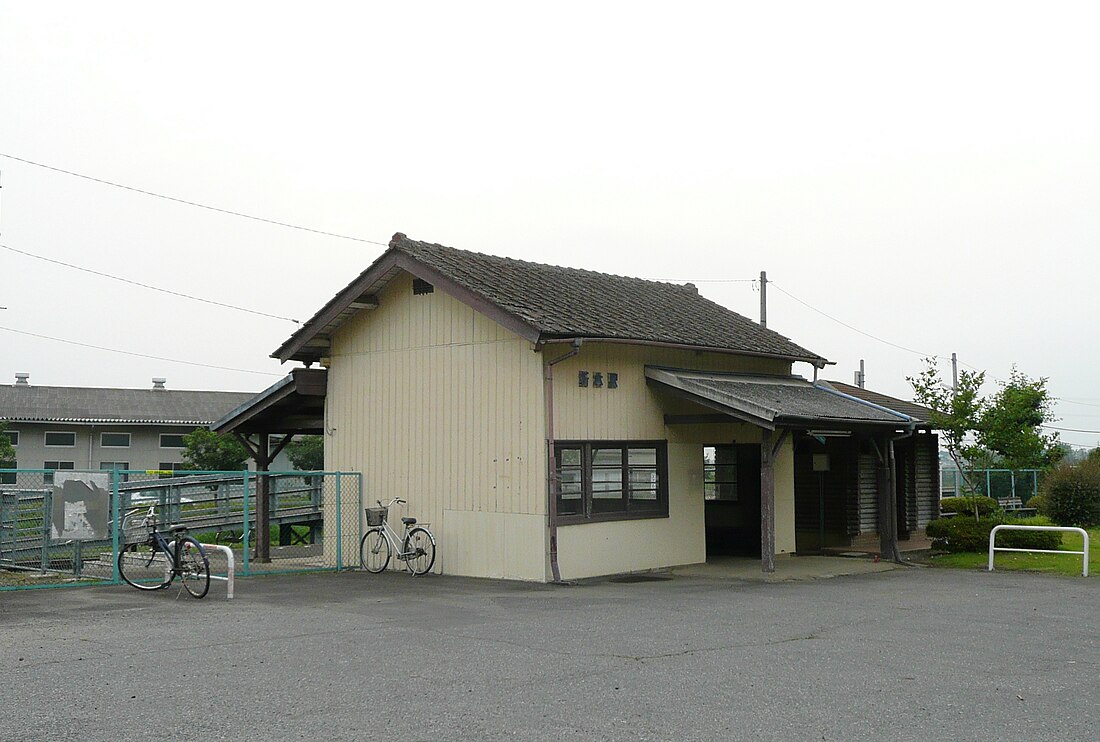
(767, 501)
(887, 504)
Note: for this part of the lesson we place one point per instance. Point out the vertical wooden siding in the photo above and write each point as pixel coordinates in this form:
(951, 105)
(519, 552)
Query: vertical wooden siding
(437, 404)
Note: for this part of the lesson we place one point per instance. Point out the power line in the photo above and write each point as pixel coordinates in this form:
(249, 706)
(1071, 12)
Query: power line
(190, 203)
(1068, 430)
(850, 327)
(137, 355)
(145, 285)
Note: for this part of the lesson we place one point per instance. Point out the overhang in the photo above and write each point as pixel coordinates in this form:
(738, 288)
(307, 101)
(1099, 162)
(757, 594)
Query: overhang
(772, 402)
(293, 405)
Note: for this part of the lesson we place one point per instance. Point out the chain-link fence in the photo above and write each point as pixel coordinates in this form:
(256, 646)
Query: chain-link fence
(66, 527)
(1000, 484)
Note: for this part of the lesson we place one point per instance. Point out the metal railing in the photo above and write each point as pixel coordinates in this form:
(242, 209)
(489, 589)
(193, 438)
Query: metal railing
(1084, 552)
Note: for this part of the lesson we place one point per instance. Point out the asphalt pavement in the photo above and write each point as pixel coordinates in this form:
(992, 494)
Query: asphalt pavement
(910, 654)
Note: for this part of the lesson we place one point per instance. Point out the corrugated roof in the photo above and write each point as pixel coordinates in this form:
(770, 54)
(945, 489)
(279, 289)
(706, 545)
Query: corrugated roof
(547, 302)
(771, 401)
(23, 403)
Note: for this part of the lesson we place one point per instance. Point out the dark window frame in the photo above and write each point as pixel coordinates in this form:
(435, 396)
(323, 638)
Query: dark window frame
(13, 437)
(631, 507)
(47, 477)
(121, 466)
(173, 435)
(46, 439)
(103, 440)
(722, 488)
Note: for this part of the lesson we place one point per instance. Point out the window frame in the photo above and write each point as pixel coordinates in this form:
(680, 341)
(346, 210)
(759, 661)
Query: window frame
(718, 485)
(160, 440)
(103, 444)
(46, 439)
(13, 437)
(587, 514)
(121, 466)
(47, 476)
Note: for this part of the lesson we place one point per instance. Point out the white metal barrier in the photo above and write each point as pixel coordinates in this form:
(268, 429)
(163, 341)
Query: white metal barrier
(1082, 531)
(230, 567)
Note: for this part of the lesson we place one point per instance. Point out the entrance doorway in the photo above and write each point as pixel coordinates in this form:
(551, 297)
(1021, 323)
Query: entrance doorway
(731, 493)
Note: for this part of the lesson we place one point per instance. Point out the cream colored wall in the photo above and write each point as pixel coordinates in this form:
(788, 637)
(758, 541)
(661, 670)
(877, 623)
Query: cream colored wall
(438, 404)
(635, 411)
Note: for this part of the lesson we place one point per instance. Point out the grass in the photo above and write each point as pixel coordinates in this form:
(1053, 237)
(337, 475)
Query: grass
(1063, 564)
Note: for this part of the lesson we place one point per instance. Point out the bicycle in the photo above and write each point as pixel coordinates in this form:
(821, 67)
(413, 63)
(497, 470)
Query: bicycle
(150, 561)
(417, 546)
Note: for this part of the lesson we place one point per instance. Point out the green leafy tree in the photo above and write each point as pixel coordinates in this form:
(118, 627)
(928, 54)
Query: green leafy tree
(307, 453)
(1011, 424)
(207, 451)
(7, 450)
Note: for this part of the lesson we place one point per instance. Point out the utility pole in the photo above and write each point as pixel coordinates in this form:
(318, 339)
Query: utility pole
(861, 377)
(954, 373)
(763, 298)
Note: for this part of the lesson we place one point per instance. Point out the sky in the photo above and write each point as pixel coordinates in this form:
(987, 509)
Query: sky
(915, 179)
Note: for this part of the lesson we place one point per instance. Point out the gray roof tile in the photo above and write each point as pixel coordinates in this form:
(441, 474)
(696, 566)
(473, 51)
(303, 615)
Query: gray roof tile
(22, 403)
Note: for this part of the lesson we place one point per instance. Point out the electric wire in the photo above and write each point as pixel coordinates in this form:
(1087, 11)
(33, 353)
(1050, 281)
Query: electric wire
(137, 355)
(190, 203)
(146, 285)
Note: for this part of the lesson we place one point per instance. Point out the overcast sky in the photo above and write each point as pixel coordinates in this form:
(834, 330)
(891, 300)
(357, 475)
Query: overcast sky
(927, 174)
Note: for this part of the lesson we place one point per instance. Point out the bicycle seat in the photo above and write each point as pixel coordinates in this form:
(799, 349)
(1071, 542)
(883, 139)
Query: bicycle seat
(176, 528)
(408, 521)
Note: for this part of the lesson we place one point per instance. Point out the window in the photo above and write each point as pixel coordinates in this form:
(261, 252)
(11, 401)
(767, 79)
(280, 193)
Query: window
(47, 477)
(171, 440)
(608, 480)
(64, 440)
(166, 466)
(114, 440)
(121, 466)
(13, 436)
(720, 473)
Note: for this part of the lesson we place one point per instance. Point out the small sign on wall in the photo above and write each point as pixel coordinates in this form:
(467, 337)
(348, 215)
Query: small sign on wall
(598, 379)
(821, 462)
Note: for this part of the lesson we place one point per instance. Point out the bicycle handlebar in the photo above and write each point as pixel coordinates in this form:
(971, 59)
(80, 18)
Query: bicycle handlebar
(396, 500)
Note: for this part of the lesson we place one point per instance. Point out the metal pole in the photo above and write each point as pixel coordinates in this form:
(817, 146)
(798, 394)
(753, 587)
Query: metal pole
(339, 530)
(115, 476)
(244, 538)
(954, 373)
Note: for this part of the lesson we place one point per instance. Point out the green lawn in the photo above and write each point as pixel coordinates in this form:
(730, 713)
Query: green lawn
(1066, 564)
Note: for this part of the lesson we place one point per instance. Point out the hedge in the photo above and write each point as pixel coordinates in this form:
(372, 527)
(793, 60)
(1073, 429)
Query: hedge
(1072, 494)
(963, 533)
(960, 505)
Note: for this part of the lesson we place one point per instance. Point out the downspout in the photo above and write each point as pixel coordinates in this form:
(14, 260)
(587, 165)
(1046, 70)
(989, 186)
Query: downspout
(551, 461)
(891, 462)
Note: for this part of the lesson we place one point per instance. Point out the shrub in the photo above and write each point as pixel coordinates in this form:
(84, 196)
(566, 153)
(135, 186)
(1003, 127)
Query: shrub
(1073, 494)
(960, 505)
(1039, 502)
(963, 533)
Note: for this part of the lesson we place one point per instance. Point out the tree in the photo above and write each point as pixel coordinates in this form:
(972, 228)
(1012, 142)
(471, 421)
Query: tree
(1004, 430)
(307, 453)
(7, 450)
(207, 451)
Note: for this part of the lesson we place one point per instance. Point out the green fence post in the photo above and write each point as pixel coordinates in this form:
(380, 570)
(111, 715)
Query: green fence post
(115, 477)
(244, 538)
(339, 529)
(47, 512)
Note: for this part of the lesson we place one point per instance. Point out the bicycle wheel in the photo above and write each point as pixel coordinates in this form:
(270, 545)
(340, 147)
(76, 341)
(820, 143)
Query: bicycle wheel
(143, 567)
(194, 566)
(374, 551)
(419, 548)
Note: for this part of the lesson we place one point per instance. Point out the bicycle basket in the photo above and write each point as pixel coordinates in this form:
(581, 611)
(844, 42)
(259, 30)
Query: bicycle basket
(135, 530)
(375, 516)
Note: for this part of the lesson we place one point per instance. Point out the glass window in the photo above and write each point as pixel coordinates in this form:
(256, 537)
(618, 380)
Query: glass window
(13, 436)
(67, 440)
(172, 440)
(169, 466)
(114, 440)
(720, 473)
(606, 480)
(121, 466)
(53, 466)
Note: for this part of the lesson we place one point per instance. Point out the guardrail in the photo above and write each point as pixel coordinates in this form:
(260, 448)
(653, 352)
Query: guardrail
(1084, 552)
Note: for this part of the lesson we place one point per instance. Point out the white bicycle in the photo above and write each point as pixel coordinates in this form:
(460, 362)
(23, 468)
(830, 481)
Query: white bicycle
(417, 544)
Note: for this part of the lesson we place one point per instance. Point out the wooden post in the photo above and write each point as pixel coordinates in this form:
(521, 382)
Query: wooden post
(887, 503)
(767, 503)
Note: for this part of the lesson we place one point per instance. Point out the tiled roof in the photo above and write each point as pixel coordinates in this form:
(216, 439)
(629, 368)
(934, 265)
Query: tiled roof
(912, 409)
(556, 302)
(28, 403)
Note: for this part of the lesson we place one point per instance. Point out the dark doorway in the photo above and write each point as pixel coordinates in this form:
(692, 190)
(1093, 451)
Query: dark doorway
(731, 491)
(822, 481)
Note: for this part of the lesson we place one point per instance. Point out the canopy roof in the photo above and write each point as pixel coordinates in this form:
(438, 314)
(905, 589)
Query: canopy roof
(295, 404)
(777, 401)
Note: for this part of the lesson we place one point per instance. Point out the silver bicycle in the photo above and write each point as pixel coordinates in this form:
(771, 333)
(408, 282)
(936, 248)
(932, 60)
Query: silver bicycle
(417, 544)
